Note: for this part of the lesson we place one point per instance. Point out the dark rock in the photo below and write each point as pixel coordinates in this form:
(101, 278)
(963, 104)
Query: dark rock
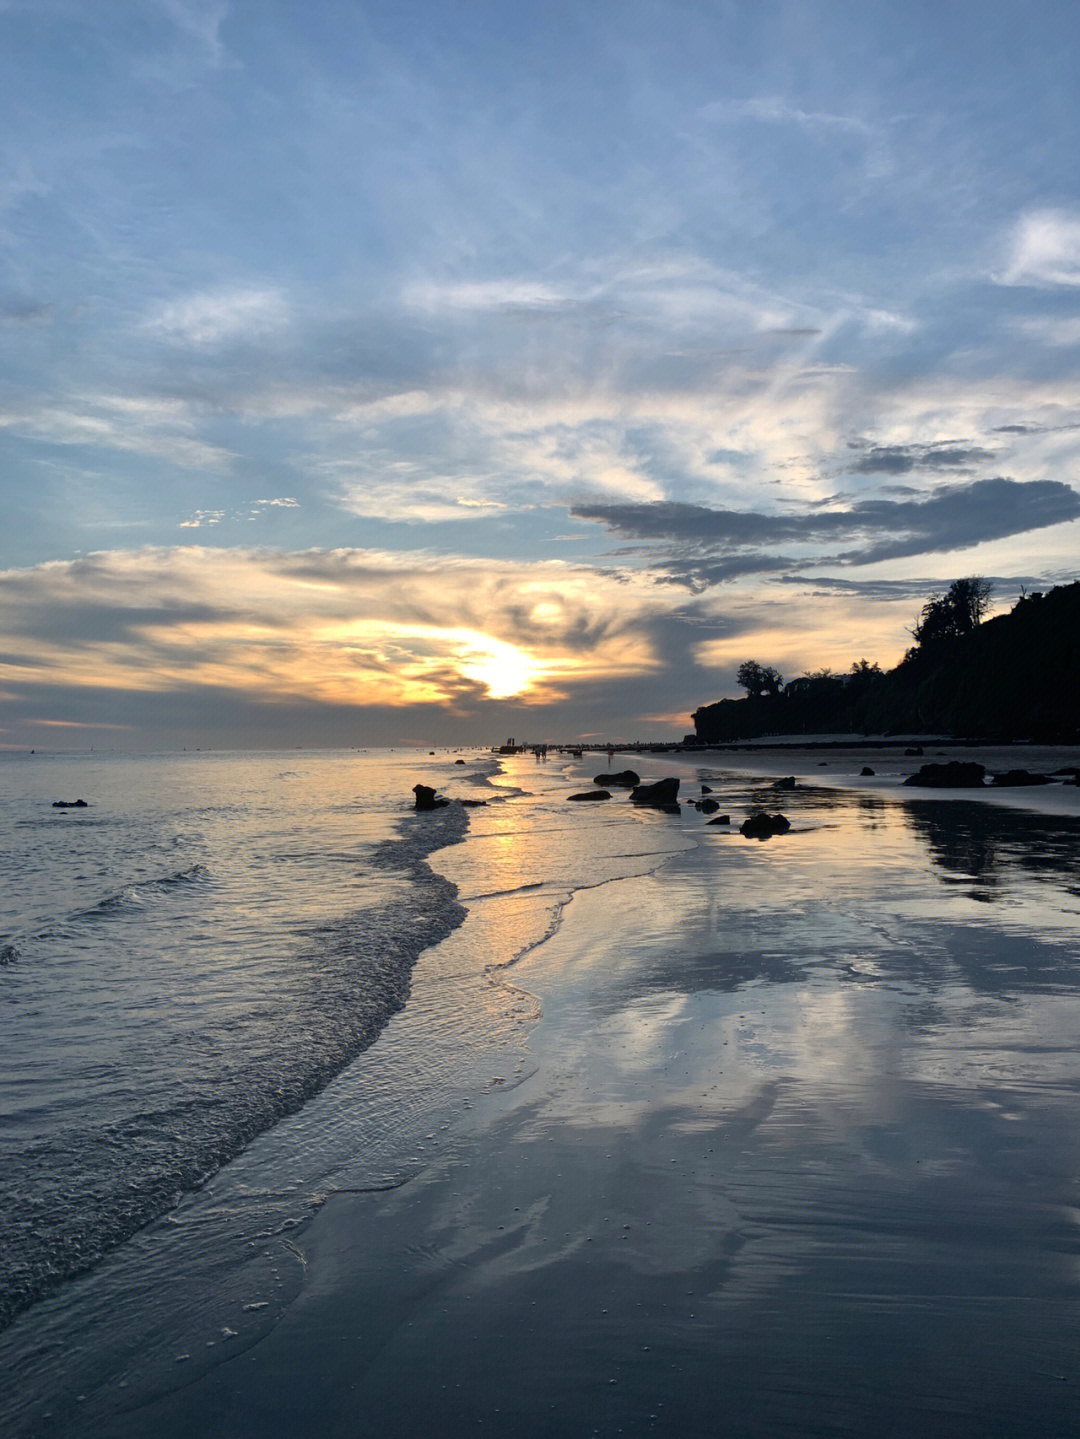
(788, 782)
(914, 751)
(822, 763)
(590, 794)
(426, 799)
(709, 806)
(1013, 778)
(764, 826)
(69, 804)
(705, 789)
(664, 791)
(721, 819)
(955, 774)
(866, 770)
(472, 803)
(625, 777)
(459, 761)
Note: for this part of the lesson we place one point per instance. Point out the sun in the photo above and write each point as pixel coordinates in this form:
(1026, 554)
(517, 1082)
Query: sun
(502, 668)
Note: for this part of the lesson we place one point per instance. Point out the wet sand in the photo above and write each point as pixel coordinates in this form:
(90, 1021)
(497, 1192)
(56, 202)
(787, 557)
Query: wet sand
(800, 1155)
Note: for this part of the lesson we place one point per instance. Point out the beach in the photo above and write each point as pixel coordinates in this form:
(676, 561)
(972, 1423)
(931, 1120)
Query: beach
(675, 1133)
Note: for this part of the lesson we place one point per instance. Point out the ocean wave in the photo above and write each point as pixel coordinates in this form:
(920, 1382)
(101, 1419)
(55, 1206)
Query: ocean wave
(140, 891)
(253, 1058)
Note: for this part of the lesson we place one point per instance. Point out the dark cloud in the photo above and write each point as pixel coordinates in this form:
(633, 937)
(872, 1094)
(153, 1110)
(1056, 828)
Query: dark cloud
(915, 588)
(24, 312)
(705, 546)
(902, 459)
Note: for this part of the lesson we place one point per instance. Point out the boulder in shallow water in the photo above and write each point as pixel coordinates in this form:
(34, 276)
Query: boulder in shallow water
(426, 797)
(663, 791)
(764, 826)
(472, 803)
(721, 819)
(866, 770)
(69, 804)
(625, 777)
(459, 761)
(1015, 778)
(709, 806)
(914, 751)
(590, 794)
(705, 789)
(788, 782)
(955, 774)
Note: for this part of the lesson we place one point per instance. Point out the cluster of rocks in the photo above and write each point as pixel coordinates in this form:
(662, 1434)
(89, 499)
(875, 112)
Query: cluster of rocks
(69, 804)
(664, 794)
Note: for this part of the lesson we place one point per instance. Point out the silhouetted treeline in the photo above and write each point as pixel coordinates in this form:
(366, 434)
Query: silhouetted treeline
(1013, 677)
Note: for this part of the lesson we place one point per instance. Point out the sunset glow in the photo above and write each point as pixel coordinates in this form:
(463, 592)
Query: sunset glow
(473, 374)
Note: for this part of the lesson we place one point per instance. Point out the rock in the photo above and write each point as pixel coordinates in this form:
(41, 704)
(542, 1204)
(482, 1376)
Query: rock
(955, 774)
(709, 806)
(472, 803)
(664, 791)
(69, 804)
(721, 819)
(590, 794)
(705, 789)
(866, 770)
(1015, 777)
(459, 761)
(764, 826)
(914, 751)
(788, 782)
(625, 777)
(425, 798)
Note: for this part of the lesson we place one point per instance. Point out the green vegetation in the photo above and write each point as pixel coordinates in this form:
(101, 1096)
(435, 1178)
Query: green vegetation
(1013, 677)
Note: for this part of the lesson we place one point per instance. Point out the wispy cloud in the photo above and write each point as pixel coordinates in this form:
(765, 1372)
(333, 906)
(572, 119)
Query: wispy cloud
(217, 317)
(772, 110)
(199, 20)
(1044, 250)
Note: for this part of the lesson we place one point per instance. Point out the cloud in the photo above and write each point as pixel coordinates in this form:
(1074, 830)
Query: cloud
(772, 110)
(951, 517)
(1044, 250)
(217, 317)
(1060, 331)
(24, 312)
(328, 626)
(902, 459)
(914, 587)
(161, 429)
(200, 22)
(522, 294)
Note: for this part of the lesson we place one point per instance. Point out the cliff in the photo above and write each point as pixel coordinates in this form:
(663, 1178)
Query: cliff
(1013, 677)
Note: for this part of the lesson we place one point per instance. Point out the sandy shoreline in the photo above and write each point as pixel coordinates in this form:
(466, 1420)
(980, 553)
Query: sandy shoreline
(797, 1156)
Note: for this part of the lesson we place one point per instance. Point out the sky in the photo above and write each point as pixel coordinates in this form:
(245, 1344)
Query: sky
(438, 371)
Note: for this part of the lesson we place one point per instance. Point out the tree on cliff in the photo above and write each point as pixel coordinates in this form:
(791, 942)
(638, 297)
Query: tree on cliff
(759, 679)
(957, 612)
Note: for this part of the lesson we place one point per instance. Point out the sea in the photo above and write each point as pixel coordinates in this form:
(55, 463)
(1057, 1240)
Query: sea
(216, 941)
(256, 1009)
